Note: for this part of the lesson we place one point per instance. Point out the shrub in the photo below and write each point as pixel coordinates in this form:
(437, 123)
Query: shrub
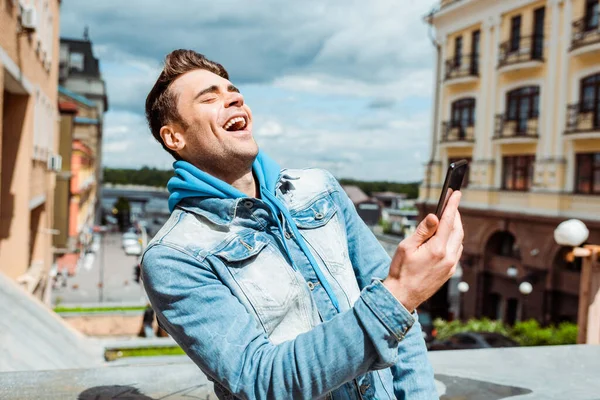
(526, 333)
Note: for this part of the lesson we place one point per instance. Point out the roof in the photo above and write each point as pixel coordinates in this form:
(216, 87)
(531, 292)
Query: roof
(356, 194)
(77, 97)
(35, 338)
(68, 107)
(389, 195)
(86, 121)
(84, 47)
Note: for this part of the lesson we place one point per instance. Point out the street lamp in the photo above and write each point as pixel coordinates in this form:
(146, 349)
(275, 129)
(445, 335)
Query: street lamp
(574, 233)
(463, 287)
(525, 288)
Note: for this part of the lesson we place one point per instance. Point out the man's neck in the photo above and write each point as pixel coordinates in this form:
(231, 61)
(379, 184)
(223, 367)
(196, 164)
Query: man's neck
(246, 184)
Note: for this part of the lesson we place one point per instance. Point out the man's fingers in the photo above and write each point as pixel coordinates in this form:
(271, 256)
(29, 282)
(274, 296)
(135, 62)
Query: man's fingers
(456, 236)
(424, 231)
(447, 222)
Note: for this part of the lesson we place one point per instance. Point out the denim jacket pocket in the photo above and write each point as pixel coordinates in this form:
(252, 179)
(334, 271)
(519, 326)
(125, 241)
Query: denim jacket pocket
(272, 288)
(316, 214)
(243, 247)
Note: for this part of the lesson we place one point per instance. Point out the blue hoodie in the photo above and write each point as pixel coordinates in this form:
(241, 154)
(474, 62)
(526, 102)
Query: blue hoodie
(190, 181)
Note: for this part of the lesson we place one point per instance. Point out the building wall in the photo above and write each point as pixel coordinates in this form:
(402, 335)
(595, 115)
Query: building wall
(28, 88)
(529, 215)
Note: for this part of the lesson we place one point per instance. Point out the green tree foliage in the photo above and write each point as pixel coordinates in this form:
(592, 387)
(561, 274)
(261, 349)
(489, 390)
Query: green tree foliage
(369, 187)
(143, 176)
(159, 178)
(526, 333)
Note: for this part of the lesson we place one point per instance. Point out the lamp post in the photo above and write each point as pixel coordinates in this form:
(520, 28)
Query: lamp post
(574, 233)
(525, 288)
(463, 287)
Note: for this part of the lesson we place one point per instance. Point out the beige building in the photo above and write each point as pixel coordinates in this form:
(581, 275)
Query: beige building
(76, 189)
(29, 48)
(518, 95)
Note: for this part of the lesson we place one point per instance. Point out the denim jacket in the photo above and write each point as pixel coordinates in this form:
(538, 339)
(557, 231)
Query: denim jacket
(225, 289)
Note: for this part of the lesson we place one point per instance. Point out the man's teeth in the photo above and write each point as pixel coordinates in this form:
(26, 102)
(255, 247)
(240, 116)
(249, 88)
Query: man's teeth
(233, 121)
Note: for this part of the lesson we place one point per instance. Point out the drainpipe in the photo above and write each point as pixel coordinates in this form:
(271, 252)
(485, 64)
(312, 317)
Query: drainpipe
(436, 110)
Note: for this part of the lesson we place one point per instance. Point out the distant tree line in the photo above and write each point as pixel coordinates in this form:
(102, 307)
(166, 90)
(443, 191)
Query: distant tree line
(410, 188)
(159, 178)
(143, 176)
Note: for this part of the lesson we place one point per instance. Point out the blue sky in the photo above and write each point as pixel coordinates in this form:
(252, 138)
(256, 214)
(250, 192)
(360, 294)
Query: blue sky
(341, 85)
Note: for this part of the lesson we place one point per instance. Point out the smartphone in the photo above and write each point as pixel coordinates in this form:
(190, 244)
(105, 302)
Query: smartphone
(454, 178)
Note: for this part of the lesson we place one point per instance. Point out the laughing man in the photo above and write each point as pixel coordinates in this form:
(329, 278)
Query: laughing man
(267, 277)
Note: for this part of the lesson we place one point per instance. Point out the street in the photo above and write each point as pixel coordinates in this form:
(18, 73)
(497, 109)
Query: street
(119, 283)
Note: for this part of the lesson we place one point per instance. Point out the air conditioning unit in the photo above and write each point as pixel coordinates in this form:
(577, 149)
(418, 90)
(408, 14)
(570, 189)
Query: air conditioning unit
(29, 18)
(54, 163)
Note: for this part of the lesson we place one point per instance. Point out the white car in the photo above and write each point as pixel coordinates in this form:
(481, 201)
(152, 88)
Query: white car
(133, 249)
(129, 238)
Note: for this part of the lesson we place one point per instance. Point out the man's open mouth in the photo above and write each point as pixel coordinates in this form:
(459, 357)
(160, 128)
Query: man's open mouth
(235, 124)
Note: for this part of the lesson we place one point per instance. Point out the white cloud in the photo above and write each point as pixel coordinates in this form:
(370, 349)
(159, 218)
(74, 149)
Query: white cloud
(375, 52)
(269, 128)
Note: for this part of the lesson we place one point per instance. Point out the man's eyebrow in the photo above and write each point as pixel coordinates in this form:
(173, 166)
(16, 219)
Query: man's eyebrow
(215, 89)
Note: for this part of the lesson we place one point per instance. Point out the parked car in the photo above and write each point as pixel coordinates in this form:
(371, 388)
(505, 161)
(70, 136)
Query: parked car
(473, 340)
(133, 249)
(129, 238)
(426, 325)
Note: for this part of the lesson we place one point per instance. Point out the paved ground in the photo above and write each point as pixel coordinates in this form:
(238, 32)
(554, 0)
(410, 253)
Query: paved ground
(119, 284)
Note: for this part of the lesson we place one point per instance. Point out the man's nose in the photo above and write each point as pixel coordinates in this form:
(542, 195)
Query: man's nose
(235, 99)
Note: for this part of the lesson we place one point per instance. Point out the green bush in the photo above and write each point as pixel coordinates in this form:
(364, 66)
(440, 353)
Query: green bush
(526, 333)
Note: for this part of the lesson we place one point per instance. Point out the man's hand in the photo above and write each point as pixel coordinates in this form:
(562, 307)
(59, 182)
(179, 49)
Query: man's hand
(424, 261)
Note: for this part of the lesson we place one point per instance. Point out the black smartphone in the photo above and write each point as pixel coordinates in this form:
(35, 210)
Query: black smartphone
(454, 178)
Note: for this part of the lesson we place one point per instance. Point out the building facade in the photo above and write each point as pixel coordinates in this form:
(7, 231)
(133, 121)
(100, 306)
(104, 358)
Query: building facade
(518, 95)
(76, 190)
(80, 74)
(29, 48)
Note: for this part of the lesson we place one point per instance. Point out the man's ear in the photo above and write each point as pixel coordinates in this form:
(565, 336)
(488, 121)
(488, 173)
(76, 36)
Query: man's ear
(172, 137)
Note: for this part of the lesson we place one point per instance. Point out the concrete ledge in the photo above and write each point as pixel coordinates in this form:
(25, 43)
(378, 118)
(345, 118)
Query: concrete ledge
(558, 372)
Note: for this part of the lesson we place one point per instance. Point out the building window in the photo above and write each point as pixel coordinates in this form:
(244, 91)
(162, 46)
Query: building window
(538, 33)
(587, 174)
(463, 115)
(592, 9)
(517, 172)
(515, 33)
(465, 182)
(590, 98)
(458, 50)
(76, 61)
(523, 105)
(475, 45)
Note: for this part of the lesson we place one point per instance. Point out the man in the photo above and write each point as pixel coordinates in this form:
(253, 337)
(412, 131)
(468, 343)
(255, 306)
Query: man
(267, 278)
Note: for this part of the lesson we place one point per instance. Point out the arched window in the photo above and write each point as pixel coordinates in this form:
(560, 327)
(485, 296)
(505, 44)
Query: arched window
(463, 112)
(590, 97)
(503, 244)
(522, 104)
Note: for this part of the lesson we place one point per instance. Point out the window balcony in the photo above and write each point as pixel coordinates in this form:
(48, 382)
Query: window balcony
(455, 134)
(583, 122)
(585, 36)
(519, 130)
(521, 53)
(462, 69)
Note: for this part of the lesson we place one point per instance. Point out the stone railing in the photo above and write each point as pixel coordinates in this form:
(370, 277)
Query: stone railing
(557, 372)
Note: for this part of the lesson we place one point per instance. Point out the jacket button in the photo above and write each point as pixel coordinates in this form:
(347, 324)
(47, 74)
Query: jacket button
(364, 388)
(287, 235)
(319, 216)
(311, 285)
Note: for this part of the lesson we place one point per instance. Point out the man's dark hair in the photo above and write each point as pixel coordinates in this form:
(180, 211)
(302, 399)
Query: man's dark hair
(161, 103)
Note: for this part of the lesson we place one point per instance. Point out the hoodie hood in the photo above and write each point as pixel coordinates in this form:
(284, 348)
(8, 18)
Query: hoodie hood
(190, 181)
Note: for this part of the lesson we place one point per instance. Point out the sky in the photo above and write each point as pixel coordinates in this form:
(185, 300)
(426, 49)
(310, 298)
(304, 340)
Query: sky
(341, 85)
